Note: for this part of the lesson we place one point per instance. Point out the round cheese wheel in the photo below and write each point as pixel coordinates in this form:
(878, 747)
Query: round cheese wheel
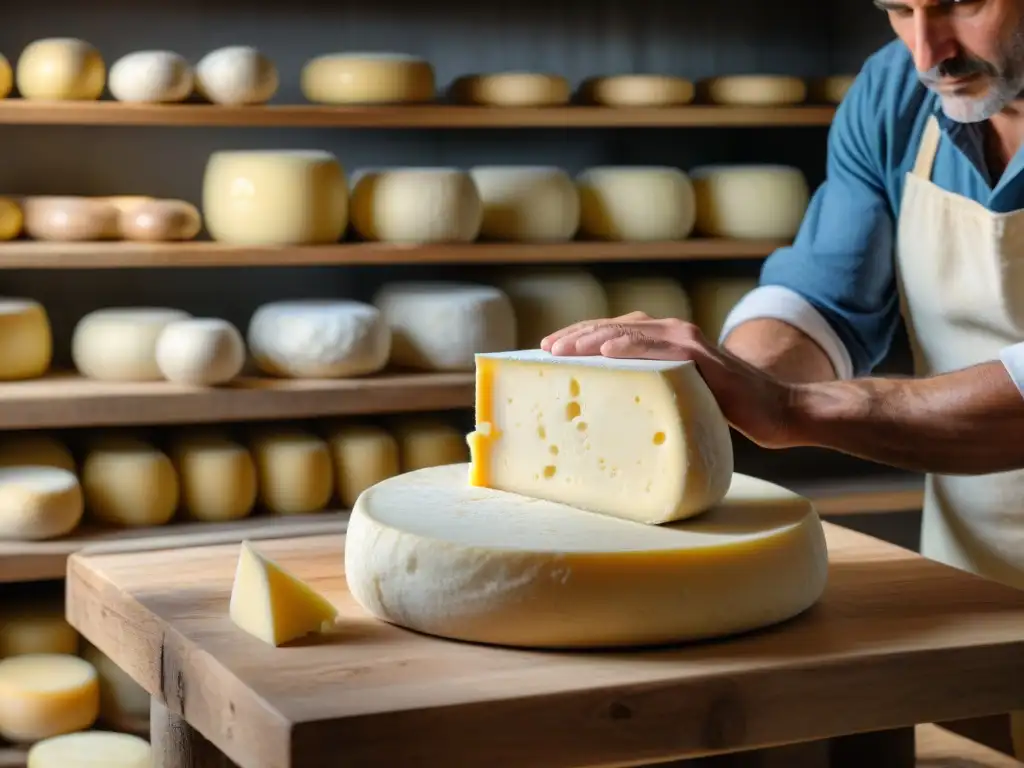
(512, 89)
(532, 573)
(61, 68)
(424, 442)
(527, 204)
(151, 77)
(713, 299)
(440, 326)
(638, 91)
(750, 201)
(26, 339)
(547, 300)
(364, 454)
(319, 339)
(126, 203)
(44, 695)
(34, 626)
(6, 77)
(275, 197)
(755, 90)
(38, 502)
(32, 449)
(11, 218)
(658, 297)
(70, 218)
(217, 476)
(200, 351)
(294, 471)
(368, 78)
(832, 89)
(416, 205)
(129, 482)
(90, 750)
(123, 702)
(160, 221)
(119, 344)
(236, 75)
(636, 203)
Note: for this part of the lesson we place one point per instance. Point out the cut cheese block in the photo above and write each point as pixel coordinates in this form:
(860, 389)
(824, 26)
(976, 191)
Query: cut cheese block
(200, 351)
(527, 204)
(424, 442)
(122, 700)
(151, 77)
(636, 203)
(128, 481)
(638, 91)
(750, 201)
(70, 219)
(368, 78)
(44, 695)
(217, 475)
(274, 605)
(658, 297)
(755, 90)
(38, 503)
(512, 89)
(428, 553)
(713, 298)
(26, 339)
(643, 440)
(12, 218)
(33, 449)
(440, 326)
(61, 68)
(119, 344)
(31, 625)
(6, 77)
(547, 300)
(236, 75)
(293, 469)
(91, 749)
(363, 455)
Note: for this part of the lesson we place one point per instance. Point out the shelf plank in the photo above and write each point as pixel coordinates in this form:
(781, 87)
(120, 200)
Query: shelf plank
(65, 401)
(23, 112)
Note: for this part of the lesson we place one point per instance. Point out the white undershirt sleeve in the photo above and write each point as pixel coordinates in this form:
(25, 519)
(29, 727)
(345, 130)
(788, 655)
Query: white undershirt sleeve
(1012, 357)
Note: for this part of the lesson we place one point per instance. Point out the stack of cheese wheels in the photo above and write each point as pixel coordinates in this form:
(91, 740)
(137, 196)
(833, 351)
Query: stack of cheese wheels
(713, 299)
(26, 339)
(236, 75)
(128, 481)
(151, 77)
(12, 218)
(750, 201)
(637, 91)
(546, 300)
(604, 512)
(6, 77)
(46, 694)
(636, 203)
(61, 69)
(755, 90)
(275, 197)
(527, 204)
(368, 78)
(512, 89)
(658, 297)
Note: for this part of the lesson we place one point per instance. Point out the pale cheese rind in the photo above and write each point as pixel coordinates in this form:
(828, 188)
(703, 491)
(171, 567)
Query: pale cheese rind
(44, 695)
(91, 749)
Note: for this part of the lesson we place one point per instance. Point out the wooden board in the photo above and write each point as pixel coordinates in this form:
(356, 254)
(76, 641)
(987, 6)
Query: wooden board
(896, 639)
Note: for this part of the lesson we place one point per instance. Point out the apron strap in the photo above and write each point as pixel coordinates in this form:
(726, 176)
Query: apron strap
(928, 149)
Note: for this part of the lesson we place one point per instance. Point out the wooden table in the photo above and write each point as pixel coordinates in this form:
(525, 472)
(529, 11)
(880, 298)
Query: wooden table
(897, 640)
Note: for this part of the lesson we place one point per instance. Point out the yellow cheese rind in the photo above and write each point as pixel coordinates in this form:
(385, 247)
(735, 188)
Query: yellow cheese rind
(44, 695)
(367, 78)
(426, 552)
(91, 749)
(36, 627)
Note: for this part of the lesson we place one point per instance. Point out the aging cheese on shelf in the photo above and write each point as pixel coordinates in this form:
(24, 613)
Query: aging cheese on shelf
(636, 203)
(6, 77)
(364, 455)
(428, 553)
(36, 626)
(638, 91)
(61, 69)
(713, 299)
(236, 75)
(755, 90)
(294, 470)
(750, 201)
(28, 449)
(512, 89)
(91, 749)
(38, 502)
(12, 218)
(424, 442)
(217, 475)
(440, 326)
(44, 695)
(200, 351)
(416, 205)
(119, 344)
(160, 221)
(122, 700)
(368, 78)
(275, 197)
(319, 339)
(129, 481)
(658, 297)
(532, 204)
(26, 339)
(832, 89)
(546, 300)
(637, 439)
(273, 605)
(151, 77)
(70, 219)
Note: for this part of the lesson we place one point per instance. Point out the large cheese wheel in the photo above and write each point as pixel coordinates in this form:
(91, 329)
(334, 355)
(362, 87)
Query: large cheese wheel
(38, 502)
(61, 68)
(34, 625)
(200, 351)
(636, 203)
(44, 695)
(439, 326)
(527, 204)
(6, 77)
(512, 89)
(129, 482)
(275, 197)
(119, 344)
(755, 90)
(91, 749)
(12, 218)
(151, 77)
(638, 91)
(368, 78)
(217, 476)
(416, 205)
(26, 339)
(713, 298)
(659, 297)
(319, 339)
(364, 454)
(750, 201)
(236, 75)
(70, 219)
(525, 572)
(426, 441)
(28, 449)
(294, 470)
(547, 300)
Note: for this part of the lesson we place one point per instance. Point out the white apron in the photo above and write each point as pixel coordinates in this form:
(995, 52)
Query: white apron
(960, 270)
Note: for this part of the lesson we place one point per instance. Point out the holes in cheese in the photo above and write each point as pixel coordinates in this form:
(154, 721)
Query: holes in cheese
(44, 695)
(38, 503)
(368, 78)
(643, 440)
(91, 749)
(61, 68)
(427, 552)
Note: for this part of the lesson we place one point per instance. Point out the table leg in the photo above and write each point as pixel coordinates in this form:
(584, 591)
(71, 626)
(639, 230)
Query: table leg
(177, 745)
(880, 749)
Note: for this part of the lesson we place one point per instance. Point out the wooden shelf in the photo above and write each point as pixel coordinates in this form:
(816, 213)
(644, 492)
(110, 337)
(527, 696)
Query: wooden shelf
(61, 401)
(22, 112)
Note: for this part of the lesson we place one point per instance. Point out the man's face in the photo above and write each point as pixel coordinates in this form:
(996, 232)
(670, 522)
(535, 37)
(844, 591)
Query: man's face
(970, 52)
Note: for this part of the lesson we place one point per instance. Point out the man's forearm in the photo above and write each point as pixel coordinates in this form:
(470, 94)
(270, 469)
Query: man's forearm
(780, 350)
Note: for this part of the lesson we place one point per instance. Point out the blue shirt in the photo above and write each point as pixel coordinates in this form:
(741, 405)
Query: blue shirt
(842, 261)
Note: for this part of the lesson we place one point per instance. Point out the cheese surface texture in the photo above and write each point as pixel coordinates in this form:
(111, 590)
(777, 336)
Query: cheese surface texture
(368, 78)
(151, 77)
(643, 440)
(512, 89)
(636, 203)
(91, 749)
(38, 503)
(236, 75)
(200, 351)
(659, 297)
(294, 470)
(26, 339)
(527, 204)
(755, 90)
(428, 553)
(44, 695)
(750, 201)
(546, 300)
(129, 481)
(61, 68)
(119, 344)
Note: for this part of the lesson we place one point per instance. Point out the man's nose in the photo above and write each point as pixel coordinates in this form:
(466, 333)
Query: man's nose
(933, 42)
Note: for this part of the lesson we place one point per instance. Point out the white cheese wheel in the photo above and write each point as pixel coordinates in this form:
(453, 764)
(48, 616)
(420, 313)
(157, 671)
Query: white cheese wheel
(119, 344)
(750, 202)
(425, 441)
(129, 482)
(547, 300)
(364, 454)
(294, 471)
(123, 702)
(200, 351)
(61, 69)
(532, 573)
(440, 326)
(44, 695)
(755, 90)
(26, 339)
(151, 77)
(217, 475)
(319, 339)
(275, 197)
(28, 449)
(527, 204)
(12, 218)
(713, 298)
(91, 749)
(70, 219)
(31, 625)
(512, 89)
(236, 75)
(38, 502)
(160, 221)
(6, 77)
(658, 297)
(368, 78)
(641, 203)
(638, 91)
(416, 205)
